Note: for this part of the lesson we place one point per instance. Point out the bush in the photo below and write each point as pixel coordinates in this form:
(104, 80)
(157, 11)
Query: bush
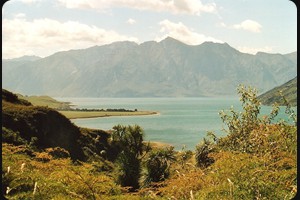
(128, 140)
(157, 166)
(12, 137)
(128, 170)
(240, 124)
(247, 176)
(58, 152)
(202, 153)
(183, 156)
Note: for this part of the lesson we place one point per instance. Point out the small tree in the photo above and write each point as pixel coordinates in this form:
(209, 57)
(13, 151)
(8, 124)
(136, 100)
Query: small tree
(129, 138)
(157, 165)
(240, 124)
(129, 142)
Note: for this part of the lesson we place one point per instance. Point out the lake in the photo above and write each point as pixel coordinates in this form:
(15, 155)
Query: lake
(181, 121)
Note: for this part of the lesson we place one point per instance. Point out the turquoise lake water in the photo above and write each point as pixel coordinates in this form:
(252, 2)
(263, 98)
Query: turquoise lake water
(181, 121)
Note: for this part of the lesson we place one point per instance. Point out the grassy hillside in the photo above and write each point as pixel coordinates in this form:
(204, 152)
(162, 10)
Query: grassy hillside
(288, 90)
(13, 98)
(43, 127)
(45, 101)
(44, 156)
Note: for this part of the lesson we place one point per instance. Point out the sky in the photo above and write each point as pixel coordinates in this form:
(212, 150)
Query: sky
(43, 27)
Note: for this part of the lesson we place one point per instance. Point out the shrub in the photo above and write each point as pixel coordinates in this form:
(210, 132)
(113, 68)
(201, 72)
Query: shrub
(202, 153)
(183, 156)
(12, 137)
(240, 124)
(184, 185)
(58, 152)
(128, 140)
(55, 179)
(157, 166)
(247, 176)
(43, 157)
(128, 170)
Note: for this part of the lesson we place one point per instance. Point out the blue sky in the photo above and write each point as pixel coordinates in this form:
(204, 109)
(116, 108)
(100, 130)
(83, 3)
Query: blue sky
(43, 27)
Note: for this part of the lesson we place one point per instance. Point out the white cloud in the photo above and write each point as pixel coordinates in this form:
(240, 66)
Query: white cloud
(29, 1)
(20, 15)
(193, 7)
(83, 4)
(43, 37)
(249, 25)
(183, 33)
(252, 50)
(131, 21)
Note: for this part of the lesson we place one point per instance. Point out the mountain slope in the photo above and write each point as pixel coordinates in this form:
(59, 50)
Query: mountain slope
(288, 90)
(152, 69)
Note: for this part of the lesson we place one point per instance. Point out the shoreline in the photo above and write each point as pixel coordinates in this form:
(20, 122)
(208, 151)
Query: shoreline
(97, 114)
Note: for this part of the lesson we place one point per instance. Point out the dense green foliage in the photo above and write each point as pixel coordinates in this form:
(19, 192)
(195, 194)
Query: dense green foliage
(256, 160)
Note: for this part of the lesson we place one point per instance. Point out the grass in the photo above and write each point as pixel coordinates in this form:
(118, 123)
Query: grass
(46, 101)
(55, 178)
(91, 114)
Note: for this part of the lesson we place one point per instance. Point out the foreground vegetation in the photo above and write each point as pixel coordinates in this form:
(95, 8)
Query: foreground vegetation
(256, 160)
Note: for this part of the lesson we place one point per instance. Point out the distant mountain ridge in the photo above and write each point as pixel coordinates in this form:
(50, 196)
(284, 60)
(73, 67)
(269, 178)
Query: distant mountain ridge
(24, 58)
(168, 68)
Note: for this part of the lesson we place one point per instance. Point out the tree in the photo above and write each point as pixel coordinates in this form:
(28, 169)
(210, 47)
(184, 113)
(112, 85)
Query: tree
(157, 165)
(129, 142)
(240, 124)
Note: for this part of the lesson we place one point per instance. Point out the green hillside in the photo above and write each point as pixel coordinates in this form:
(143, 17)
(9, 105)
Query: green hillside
(43, 127)
(45, 101)
(288, 90)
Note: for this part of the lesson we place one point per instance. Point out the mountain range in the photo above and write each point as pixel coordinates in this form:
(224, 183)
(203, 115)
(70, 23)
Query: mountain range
(168, 68)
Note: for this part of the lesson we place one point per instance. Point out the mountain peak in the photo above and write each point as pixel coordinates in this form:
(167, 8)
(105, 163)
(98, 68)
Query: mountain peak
(211, 43)
(170, 40)
(219, 47)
